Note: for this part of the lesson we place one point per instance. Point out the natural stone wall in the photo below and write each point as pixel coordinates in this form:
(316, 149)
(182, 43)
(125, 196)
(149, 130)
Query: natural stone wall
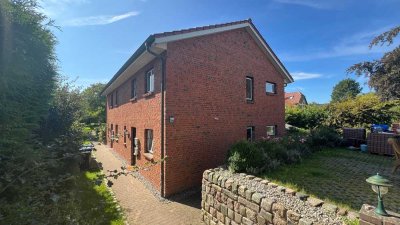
(229, 198)
(369, 217)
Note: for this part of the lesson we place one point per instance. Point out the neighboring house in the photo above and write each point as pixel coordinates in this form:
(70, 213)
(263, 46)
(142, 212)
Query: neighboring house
(191, 94)
(295, 98)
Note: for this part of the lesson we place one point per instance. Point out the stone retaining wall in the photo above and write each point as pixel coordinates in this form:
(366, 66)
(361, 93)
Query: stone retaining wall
(229, 198)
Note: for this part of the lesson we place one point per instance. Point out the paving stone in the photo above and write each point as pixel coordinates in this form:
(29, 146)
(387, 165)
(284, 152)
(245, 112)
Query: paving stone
(256, 197)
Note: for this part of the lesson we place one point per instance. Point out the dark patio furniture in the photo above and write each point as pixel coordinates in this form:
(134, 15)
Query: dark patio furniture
(354, 136)
(378, 143)
(86, 153)
(395, 142)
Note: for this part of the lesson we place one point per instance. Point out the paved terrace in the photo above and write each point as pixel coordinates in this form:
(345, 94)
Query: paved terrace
(140, 205)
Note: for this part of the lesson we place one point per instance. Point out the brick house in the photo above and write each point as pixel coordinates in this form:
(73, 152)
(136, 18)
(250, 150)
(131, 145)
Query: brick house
(189, 95)
(295, 98)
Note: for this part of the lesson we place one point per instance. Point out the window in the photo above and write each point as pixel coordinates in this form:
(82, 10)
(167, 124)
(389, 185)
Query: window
(270, 88)
(133, 88)
(116, 98)
(116, 131)
(125, 134)
(249, 88)
(271, 130)
(149, 81)
(250, 133)
(111, 101)
(149, 140)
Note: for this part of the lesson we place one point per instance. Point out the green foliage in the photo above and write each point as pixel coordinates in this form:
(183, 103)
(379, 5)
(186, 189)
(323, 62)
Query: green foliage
(323, 137)
(383, 73)
(308, 116)
(362, 111)
(244, 156)
(347, 88)
(27, 70)
(93, 105)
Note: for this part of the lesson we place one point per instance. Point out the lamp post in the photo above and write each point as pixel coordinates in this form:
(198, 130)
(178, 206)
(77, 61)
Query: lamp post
(380, 185)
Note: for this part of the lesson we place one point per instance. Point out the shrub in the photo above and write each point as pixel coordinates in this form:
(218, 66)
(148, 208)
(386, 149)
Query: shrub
(244, 156)
(323, 137)
(308, 116)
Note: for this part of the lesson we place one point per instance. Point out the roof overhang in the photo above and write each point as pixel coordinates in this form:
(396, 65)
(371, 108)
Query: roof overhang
(159, 44)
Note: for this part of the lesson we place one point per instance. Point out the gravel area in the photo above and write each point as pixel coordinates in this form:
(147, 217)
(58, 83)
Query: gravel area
(304, 208)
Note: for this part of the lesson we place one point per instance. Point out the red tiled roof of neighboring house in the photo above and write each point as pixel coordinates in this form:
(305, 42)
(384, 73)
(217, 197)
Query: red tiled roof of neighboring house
(183, 31)
(294, 98)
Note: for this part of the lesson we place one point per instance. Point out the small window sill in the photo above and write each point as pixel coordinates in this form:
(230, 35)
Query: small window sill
(248, 101)
(115, 106)
(148, 94)
(269, 93)
(134, 99)
(148, 156)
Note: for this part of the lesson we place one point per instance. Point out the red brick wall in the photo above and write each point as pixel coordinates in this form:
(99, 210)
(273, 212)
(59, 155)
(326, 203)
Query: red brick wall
(144, 113)
(205, 92)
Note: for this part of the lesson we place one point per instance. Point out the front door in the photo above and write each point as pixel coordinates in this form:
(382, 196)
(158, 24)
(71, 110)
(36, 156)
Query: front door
(133, 136)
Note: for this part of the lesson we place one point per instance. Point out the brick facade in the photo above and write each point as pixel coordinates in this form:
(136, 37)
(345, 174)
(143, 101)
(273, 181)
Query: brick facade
(205, 94)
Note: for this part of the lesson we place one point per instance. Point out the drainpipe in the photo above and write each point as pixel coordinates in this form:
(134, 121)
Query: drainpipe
(163, 63)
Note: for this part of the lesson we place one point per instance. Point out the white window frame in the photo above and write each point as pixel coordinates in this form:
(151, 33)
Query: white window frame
(147, 132)
(150, 81)
(273, 85)
(274, 130)
(251, 128)
(251, 79)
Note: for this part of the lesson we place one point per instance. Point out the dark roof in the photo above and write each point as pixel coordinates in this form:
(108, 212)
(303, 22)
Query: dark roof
(183, 31)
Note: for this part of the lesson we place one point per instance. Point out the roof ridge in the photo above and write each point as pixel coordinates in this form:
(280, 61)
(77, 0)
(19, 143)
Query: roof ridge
(186, 30)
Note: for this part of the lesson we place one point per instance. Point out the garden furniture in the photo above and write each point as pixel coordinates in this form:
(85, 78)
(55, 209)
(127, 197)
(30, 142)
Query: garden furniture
(378, 143)
(395, 142)
(354, 136)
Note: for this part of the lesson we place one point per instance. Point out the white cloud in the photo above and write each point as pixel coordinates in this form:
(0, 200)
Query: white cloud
(304, 75)
(55, 8)
(317, 4)
(357, 44)
(98, 20)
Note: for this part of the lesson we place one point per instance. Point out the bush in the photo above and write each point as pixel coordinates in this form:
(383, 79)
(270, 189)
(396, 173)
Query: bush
(308, 116)
(266, 155)
(324, 137)
(244, 156)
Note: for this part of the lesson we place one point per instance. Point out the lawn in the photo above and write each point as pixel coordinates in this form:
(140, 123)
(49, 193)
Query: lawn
(338, 176)
(96, 203)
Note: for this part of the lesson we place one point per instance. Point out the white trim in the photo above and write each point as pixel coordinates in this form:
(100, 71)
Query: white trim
(192, 34)
(169, 38)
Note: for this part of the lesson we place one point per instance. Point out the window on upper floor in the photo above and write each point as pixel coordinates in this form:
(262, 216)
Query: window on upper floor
(249, 88)
(250, 133)
(111, 102)
(133, 88)
(271, 130)
(270, 88)
(149, 140)
(149, 81)
(116, 98)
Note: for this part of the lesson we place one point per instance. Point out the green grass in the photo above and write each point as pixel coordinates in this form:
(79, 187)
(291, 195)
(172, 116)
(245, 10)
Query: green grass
(96, 201)
(338, 176)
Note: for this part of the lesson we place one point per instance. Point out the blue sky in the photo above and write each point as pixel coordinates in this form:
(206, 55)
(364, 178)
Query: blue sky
(317, 40)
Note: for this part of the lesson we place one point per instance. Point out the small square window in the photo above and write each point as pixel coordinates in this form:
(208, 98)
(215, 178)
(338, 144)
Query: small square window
(149, 140)
(271, 130)
(150, 81)
(270, 88)
(250, 133)
(249, 88)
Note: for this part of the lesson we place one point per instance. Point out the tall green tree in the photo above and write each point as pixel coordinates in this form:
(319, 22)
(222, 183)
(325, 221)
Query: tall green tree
(347, 88)
(93, 105)
(383, 73)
